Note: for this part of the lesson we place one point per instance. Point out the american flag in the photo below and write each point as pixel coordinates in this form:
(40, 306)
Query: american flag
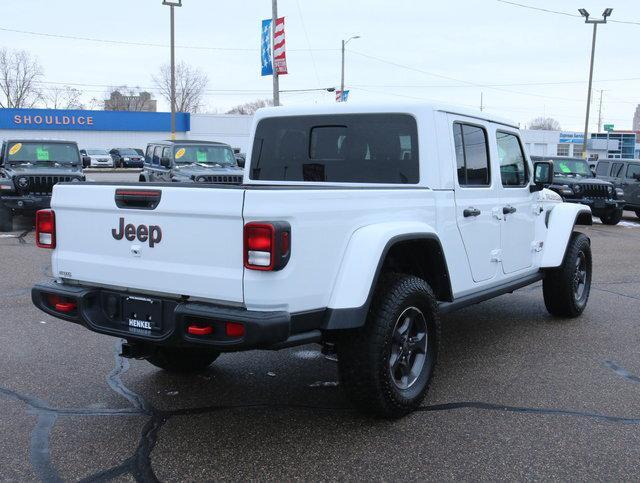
(279, 53)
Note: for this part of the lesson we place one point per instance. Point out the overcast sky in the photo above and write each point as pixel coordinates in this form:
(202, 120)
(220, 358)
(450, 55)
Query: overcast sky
(448, 51)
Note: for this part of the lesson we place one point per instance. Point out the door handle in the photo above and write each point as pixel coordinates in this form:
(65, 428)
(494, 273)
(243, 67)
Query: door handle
(471, 212)
(508, 210)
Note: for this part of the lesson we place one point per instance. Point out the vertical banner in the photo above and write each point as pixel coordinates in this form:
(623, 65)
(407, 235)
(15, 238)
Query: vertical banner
(342, 96)
(279, 52)
(265, 48)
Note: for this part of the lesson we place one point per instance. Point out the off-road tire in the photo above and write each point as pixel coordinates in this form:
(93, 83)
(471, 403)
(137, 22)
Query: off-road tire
(364, 353)
(182, 360)
(560, 284)
(612, 217)
(6, 219)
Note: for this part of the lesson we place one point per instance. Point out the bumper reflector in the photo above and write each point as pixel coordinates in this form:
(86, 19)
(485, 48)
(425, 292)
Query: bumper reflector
(199, 330)
(61, 304)
(234, 329)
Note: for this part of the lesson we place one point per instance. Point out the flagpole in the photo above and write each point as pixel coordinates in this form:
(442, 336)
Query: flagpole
(276, 81)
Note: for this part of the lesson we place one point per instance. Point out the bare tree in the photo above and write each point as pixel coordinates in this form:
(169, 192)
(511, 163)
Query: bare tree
(126, 98)
(62, 97)
(545, 123)
(251, 107)
(19, 77)
(191, 84)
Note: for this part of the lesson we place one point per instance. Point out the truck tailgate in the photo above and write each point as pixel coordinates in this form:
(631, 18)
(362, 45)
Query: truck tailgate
(199, 253)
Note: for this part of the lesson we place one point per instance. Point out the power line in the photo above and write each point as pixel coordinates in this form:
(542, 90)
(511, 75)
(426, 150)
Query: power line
(558, 12)
(306, 34)
(145, 44)
(515, 84)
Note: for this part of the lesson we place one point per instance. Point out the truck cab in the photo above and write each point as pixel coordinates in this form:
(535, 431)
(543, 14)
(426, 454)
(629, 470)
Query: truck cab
(29, 169)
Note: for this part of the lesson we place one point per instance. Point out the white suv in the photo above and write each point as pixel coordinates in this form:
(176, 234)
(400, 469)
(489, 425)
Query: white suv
(355, 227)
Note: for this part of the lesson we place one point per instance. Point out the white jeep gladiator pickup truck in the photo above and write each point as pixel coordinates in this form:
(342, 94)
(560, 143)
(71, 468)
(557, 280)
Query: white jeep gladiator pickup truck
(355, 227)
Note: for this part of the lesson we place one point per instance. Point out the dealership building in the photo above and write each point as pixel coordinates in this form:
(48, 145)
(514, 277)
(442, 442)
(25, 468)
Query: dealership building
(127, 129)
(122, 129)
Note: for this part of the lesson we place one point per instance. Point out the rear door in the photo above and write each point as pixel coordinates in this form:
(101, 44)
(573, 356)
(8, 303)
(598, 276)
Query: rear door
(189, 244)
(518, 227)
(476, 197)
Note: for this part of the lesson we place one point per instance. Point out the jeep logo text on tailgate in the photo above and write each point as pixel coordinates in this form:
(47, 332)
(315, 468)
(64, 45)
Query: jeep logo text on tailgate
(151, 233)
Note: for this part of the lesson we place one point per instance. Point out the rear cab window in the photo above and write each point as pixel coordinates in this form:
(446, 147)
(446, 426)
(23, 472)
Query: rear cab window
(349, 148)
(633, 171)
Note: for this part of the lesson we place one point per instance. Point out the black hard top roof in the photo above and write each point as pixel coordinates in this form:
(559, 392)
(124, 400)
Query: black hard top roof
(34, 140)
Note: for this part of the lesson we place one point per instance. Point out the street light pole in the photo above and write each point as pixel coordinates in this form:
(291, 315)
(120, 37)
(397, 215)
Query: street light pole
(276, 80)
(172, 4)
(344, 44)
(595, 23)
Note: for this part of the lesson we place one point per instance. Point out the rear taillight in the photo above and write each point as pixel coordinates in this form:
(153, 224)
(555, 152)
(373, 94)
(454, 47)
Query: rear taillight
(61, 304)
(267, 245)
(46, 229)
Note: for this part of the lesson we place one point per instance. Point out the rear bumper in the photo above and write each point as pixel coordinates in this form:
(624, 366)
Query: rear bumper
(26, 202)
(100, 310)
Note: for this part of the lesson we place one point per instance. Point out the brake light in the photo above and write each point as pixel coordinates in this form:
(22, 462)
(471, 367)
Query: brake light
(267, 245)
(46, 229)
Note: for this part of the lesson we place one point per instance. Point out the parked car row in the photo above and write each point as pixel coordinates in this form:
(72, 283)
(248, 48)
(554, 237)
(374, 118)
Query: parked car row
(30, 168)
(609, 188)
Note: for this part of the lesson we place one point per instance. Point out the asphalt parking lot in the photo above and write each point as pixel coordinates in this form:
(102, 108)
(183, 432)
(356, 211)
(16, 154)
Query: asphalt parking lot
(517, 395)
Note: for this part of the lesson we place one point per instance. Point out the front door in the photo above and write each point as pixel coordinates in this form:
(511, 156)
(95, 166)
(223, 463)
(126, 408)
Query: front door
(476, 197)
(517, 203)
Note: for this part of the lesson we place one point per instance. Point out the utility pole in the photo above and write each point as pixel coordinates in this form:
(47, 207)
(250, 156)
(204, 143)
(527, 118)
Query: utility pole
(172, 4)
(600, 111)
(481, 102)
(595, 23)
(344, 44)
(276, 81)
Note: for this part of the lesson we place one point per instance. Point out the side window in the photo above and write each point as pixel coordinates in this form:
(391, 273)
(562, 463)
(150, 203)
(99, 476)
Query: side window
(156, 154)
(513, 164)
(149, 154)
(616, 170)
(633, 171)
(166, 152)
(602, 169)
(472, 158)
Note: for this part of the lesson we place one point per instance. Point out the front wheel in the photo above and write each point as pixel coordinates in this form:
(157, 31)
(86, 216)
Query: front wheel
(566, 288)
(612, 217)
(182, 360)
(6, 219)
(386, 366)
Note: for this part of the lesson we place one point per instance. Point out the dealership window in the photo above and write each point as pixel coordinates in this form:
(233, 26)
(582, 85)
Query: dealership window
(602, 168)
(563, 149)
(578, 151)
(472, 156)
(513, 165)
(347, 148)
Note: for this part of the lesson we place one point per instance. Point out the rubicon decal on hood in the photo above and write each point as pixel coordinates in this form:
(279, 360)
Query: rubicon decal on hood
(144, 233)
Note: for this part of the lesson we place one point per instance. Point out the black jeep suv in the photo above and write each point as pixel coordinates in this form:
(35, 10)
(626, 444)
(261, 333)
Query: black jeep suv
(190, 162)
(28, 171)
(126, 158)
(575, 182)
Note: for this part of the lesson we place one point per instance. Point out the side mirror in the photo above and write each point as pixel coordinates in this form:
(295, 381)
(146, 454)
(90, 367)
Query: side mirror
(637, 176)
(165, 162)
(240, 162)
(542, 174)
(86, 161)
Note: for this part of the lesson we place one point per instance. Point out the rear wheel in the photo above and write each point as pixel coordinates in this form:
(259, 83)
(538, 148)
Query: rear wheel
(6, 219)
(566, 288)
(612, 217)
(386, 366)
(182, 360)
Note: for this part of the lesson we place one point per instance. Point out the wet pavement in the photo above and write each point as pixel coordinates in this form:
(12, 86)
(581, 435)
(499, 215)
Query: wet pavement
(517, 394)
